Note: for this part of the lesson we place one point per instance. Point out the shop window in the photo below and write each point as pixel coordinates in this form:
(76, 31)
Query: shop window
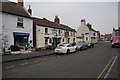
(20, 23)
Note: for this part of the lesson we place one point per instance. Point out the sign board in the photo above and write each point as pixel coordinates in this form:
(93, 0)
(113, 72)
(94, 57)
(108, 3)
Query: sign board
(54, 31)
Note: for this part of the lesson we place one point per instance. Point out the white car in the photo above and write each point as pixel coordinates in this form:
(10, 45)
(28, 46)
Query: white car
(65, 48)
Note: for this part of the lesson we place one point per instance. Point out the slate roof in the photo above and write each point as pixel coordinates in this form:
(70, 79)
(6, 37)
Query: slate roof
(14, 8)
(47, 23)
(116, 29)
(90, 27)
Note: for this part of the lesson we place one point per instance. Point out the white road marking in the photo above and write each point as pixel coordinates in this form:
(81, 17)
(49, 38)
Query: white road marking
(110, 67)
(24, 64)
(10, 67)
(106, 68)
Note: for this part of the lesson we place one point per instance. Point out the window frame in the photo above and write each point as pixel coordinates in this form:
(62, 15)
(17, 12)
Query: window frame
(20, 22)
(46, 30)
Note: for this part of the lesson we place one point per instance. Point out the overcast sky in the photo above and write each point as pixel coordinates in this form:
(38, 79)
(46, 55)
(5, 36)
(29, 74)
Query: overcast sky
(102, 15)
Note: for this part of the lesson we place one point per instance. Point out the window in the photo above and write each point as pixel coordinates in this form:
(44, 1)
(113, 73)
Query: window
(94, 34)
(86, 38)
(20, 23)
(59, 33)
(63, 39)
(71, 33)
(74, 34)
(86, 33)
(73, 40)
(69, 45)
(68, 40)
(46, 41)
(46, 30)
(66, 34)
(50, 40)
(82, 36)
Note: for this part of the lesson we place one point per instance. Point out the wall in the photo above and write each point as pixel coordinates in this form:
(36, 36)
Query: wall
(96, 36)
(82, 30)
(40, 35)
(0, 32)
(10, 26)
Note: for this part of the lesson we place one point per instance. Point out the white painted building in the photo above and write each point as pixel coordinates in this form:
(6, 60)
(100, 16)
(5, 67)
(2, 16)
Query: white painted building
(17, 24)
(0, 32)
(86, 33)
(50, 33)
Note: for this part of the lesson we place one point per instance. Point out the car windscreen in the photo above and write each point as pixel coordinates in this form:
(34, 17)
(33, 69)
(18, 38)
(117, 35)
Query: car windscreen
(116, 39)
(61, 45)
(79, 44)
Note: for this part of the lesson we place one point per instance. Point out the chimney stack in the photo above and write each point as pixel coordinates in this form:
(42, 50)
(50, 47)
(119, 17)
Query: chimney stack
(30, 10)
(21, 3)
(83, 22)
(89, 25)
(56, 20)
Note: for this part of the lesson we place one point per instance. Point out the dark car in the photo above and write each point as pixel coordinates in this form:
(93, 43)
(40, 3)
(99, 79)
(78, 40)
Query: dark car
(81, 46)
(90, 44)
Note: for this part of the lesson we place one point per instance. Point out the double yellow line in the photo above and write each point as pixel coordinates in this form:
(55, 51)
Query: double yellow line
(103, 74)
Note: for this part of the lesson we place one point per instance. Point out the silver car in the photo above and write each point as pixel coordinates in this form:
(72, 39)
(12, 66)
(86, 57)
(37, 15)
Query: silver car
(81, 46)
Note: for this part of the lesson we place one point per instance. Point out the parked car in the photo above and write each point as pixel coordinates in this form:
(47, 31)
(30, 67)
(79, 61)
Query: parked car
(90, 44)
(65, 48)
(85, 46)
(80, 46)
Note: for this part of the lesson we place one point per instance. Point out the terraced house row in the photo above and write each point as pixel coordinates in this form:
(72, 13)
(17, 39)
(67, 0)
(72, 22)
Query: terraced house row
(20, 28)
(48, 33)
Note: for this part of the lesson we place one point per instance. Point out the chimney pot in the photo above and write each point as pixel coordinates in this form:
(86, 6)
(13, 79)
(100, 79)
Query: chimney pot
(56, 20)
(30, 10)
(21, 3)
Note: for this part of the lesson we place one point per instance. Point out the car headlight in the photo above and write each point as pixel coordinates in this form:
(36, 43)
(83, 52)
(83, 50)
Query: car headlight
(112, 43)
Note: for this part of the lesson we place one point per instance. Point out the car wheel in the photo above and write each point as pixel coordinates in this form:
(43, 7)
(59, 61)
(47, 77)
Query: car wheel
(68, 51)
(81, 49)
(112, 46)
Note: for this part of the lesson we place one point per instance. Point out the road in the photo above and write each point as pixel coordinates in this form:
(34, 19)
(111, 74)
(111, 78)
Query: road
(98, 62)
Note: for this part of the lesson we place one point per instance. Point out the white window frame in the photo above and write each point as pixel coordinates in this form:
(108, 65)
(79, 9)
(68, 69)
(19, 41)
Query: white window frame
(20, 20)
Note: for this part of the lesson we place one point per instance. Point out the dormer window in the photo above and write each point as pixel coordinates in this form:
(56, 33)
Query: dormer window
(20, 22)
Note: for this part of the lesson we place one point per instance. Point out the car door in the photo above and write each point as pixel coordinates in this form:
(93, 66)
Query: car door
(70, 47)
(74, 48)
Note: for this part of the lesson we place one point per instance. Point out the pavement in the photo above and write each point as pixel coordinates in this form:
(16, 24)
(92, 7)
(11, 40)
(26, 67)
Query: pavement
(15, 57)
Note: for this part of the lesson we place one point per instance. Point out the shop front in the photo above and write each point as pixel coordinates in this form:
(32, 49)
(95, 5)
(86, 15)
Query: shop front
(21, 39)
